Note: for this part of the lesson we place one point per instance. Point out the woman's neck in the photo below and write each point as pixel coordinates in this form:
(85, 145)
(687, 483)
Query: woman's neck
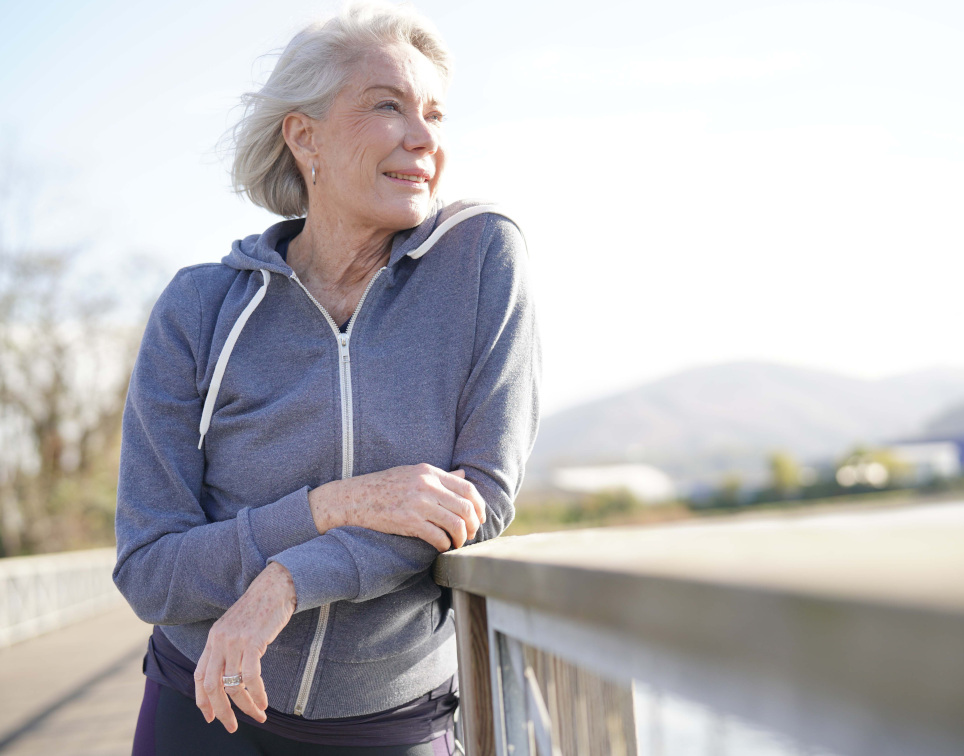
(337, 255)
(336, 262)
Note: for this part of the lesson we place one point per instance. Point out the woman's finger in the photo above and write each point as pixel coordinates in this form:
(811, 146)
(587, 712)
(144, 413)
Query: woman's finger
(251, 671)
(465, 488)
(200, 696)
(434, 536)
(464, 510)
(214, 687)
(242, 696)
(451, 523)
(242, 699)
(454, 495)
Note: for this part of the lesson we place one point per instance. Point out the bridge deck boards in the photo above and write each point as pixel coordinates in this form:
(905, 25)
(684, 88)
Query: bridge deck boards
(76, 690)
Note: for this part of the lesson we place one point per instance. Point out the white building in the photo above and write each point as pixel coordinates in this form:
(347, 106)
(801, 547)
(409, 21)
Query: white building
(930, 460)
(646, 483)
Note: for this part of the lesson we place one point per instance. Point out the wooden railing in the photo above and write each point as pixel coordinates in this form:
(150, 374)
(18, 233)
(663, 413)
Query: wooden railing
(826, 635)
(41, 593)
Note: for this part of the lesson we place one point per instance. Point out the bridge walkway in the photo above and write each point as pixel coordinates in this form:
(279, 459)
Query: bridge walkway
(76, 690)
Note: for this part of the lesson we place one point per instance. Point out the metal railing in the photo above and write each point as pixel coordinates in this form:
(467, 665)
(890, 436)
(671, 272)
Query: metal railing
(42, 593)
(795, 635)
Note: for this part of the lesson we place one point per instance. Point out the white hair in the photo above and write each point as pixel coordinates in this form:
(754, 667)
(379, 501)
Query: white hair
(310, 73)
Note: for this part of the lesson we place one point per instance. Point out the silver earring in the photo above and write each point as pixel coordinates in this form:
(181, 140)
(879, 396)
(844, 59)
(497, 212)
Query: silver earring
(313, 181)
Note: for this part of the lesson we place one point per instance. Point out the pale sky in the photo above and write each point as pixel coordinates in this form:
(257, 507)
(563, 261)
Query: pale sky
(698, 181)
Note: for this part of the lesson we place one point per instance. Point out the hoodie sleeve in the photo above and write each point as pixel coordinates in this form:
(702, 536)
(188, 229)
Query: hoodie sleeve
(498, 412)
(497, 419)
(174, 564)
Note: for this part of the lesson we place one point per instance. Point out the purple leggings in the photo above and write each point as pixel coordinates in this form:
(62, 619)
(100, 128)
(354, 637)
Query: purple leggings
(170, 724)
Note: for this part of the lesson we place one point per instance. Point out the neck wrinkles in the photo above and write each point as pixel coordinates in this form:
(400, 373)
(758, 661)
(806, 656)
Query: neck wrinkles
(337, 256)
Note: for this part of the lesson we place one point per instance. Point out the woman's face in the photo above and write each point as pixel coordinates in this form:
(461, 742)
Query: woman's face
(379, 149)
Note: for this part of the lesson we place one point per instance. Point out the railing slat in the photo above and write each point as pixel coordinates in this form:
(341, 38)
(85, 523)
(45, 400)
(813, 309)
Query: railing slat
(475, 687)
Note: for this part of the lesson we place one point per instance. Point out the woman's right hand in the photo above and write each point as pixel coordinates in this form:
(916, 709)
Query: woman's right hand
(442, 508)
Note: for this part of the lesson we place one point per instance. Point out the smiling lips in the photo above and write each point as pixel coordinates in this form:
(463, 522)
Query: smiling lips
(418, 178)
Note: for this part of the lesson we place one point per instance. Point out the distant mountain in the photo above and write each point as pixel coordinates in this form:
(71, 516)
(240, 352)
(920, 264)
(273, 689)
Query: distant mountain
(948, 424)
(703, 422)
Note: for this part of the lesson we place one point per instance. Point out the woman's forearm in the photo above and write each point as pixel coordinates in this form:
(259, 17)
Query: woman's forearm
(235, 645)
(330, 504)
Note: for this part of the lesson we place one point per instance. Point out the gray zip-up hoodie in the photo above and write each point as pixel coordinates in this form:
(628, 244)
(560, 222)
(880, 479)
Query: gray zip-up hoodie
(439, 364)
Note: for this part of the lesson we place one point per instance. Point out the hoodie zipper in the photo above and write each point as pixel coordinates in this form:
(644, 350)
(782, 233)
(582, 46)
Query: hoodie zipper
(347, 462)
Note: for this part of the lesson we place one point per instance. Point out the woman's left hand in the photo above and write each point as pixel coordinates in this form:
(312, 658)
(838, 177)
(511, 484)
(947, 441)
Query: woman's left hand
(235, 645)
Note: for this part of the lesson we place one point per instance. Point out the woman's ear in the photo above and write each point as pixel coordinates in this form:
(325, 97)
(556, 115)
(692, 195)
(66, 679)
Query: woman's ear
(299, 134)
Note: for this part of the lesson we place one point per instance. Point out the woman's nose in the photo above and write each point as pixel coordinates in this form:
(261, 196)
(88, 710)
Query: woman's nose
(421, 135)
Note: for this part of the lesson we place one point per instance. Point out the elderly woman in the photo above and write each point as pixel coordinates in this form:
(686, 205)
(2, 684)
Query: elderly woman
(312, 420)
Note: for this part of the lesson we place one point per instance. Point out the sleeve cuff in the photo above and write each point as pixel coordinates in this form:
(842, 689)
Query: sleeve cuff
(323, 571)
(281, 524)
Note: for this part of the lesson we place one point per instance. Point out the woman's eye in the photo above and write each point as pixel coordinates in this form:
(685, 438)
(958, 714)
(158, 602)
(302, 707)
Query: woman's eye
(436, 117)
(390, 105)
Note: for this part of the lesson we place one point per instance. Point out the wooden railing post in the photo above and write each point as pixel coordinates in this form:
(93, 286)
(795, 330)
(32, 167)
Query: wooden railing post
(475, 687)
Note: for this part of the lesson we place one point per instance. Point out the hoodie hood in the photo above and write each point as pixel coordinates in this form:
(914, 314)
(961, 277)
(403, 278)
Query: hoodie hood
(259, 251)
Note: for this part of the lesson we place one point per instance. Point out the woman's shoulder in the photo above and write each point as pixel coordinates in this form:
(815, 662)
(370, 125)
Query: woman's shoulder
(476, 226)
(198, 284)
(479, 213)
(191, 292)
(206, 278)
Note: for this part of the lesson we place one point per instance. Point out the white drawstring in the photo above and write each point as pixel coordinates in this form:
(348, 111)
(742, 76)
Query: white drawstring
(221, 366)
(460, 216)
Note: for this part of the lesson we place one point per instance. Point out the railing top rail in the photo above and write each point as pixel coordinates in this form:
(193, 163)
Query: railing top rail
(908, 558)
(803, 625)
(57, 562)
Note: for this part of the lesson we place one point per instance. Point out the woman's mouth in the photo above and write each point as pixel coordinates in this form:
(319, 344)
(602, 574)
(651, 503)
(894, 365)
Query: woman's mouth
(415, 178)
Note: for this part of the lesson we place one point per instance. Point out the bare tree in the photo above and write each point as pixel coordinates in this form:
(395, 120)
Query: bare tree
(65, 356)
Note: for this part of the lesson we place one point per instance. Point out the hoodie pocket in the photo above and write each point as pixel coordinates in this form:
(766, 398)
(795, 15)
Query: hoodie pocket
(385, 626)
